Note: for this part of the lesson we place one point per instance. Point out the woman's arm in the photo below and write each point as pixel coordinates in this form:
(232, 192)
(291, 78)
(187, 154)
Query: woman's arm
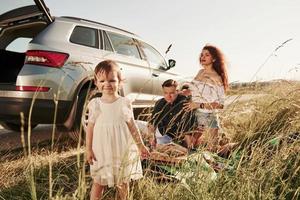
(211, 106)
(208, 106)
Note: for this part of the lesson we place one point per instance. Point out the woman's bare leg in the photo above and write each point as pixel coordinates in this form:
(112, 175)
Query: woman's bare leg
(213, 139)
(122, 191)
(200, 141)
(188, 139)
(226, 149)
(96, 191)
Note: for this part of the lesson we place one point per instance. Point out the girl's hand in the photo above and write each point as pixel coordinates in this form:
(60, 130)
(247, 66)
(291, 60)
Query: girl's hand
(144, 152)
(90, 156)
(152, 142)
(189, 106)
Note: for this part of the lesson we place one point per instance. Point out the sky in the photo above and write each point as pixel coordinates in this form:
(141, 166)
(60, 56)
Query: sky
(247, 31)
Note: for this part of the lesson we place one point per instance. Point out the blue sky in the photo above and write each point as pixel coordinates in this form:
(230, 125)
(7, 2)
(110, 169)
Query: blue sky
(247, 31)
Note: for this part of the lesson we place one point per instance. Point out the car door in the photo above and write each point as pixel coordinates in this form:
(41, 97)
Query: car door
(138, 85)
(158, 67)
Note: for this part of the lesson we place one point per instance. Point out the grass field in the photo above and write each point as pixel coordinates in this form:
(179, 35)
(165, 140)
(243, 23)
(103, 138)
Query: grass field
(265, 165)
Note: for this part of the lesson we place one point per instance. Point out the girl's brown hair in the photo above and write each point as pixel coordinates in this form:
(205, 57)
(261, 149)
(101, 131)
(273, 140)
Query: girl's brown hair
(219, 64)
(106, 67)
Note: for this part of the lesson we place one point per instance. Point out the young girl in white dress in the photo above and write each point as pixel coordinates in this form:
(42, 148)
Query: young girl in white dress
(113, 141)
(208, 94)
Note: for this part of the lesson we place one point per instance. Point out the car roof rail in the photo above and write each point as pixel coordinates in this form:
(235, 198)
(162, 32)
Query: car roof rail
(91, 21)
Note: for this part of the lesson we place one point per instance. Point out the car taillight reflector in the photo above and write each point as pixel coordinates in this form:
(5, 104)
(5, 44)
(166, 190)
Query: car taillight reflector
(47, 58)
(32, 88)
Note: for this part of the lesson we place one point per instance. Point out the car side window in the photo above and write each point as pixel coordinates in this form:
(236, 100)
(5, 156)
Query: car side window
(107, 45)
(85, 36)
(152, 55)
(124, 45)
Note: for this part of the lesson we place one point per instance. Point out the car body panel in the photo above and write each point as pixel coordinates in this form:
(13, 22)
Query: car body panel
(66, 83)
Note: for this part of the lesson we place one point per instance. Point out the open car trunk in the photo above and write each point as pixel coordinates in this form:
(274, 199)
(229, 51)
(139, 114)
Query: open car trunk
(11, 62)
(10, 65)
(22, 22)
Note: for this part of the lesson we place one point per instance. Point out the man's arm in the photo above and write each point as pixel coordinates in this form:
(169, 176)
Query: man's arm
(156, 112)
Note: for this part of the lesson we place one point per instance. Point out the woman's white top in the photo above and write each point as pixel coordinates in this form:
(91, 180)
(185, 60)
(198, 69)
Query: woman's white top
(204, 92)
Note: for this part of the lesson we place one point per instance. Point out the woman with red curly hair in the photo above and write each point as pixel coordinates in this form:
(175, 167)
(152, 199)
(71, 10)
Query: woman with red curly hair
(208, 95)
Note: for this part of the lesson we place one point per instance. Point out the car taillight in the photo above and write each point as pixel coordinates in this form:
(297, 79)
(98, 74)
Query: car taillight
(47, 58)
(32, 88)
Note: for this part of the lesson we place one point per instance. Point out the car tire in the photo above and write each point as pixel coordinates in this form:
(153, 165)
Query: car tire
(76, 131)
(16, 126)
(85, 113)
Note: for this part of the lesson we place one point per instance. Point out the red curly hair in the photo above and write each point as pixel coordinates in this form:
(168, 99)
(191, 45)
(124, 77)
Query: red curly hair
(220, 64)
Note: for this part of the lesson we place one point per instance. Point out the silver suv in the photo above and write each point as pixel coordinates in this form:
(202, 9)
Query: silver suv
(48, 83)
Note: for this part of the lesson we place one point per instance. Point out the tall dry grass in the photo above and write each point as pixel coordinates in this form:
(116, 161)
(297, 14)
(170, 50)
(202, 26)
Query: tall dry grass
(266, 164)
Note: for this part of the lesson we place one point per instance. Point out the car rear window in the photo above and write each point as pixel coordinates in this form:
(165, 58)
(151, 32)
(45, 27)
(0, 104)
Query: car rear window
(85, 36)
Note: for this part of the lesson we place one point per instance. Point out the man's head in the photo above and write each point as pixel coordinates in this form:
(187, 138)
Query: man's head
(170, 90)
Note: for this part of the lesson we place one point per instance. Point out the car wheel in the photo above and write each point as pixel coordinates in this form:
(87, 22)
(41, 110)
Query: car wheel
(16, 126)
(80, 123)
(75, 132)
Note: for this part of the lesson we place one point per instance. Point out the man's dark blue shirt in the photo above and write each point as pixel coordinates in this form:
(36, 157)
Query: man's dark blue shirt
(172, 119)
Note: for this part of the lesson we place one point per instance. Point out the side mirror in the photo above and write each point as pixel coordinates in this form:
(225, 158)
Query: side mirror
(172, 63)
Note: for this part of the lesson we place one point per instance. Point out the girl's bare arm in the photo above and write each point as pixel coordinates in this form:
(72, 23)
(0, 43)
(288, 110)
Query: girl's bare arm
(137, 138)
(89, 135)
(89, 141)
(151, 134)
(135, 132)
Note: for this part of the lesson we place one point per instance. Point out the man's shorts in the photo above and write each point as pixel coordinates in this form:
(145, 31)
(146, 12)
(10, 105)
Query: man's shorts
(208, 120)
(162, 139)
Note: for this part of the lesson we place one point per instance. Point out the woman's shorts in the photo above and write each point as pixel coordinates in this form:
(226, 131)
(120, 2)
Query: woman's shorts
(208, 120)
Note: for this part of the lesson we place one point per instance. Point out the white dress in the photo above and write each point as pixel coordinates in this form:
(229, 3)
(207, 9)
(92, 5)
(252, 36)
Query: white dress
(117, 154)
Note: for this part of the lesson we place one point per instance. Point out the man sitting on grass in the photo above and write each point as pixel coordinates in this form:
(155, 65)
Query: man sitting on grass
(169, 122)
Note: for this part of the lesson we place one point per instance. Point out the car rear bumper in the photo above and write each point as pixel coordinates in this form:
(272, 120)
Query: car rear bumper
(43, 111)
